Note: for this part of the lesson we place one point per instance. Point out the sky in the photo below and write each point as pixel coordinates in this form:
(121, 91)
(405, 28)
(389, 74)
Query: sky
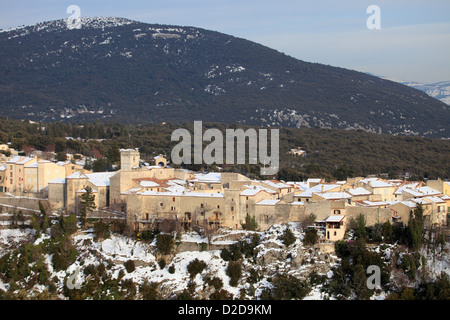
(412, 42)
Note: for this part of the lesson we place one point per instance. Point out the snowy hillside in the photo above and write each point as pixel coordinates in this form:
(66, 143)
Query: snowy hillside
(438, 90)
(121, 267)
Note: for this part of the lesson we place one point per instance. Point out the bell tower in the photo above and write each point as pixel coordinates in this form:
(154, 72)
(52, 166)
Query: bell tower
(129, 159)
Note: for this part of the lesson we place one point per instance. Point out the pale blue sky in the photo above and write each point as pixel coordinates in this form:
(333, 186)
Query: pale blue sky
(413, 43)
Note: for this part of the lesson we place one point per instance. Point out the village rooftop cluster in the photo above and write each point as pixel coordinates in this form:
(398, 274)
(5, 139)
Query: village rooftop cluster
(143, 194)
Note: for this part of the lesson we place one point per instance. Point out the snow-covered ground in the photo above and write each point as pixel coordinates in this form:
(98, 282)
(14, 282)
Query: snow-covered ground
(271, 257)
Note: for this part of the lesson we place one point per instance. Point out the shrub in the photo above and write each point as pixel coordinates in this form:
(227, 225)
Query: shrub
(234, 271)
(129, 266)
(311, 237)
(216, 282)
(69, 224)
(171, 269)
(254, 276)
(195, 266)
(162, 263)
(149, 291)
(101, 230)
(230, 254)
(164, 243)
(64, 255)
(250, 223)
(288, 287)
(221, 295)
(288, 237)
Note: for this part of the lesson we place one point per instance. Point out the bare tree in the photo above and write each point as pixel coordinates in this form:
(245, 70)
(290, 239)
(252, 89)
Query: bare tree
(207, 229)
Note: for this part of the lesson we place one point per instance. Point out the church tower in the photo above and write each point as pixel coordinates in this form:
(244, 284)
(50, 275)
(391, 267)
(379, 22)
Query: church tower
(129, 159)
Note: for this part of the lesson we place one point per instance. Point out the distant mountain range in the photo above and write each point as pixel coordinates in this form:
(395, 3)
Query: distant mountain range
(438, 90)
(122, 70)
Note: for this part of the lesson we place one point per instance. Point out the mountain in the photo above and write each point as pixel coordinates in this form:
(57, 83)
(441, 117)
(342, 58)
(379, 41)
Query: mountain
(122, 70)
(438, 90)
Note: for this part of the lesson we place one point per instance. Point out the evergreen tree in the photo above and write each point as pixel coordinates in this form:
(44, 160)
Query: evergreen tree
(87, 204)
(415, 228)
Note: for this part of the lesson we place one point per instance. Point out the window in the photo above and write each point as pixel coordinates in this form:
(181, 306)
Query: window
(246, 198)
(201, 205)
(161, 204)
(173, 199)
(337, 211)
(335, 233)
(218, 206)
(232, 208)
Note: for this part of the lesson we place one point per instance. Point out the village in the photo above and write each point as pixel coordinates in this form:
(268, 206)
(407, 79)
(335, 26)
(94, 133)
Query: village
(143, 195)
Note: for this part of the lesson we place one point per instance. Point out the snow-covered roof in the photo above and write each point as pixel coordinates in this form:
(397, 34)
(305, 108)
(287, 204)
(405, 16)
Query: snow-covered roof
(32, 165)
(400, 189)
(379, 184)
(276, 184)
(84, 190)
(335, 218)
(422, 191)
(211, 177)
(58, 181)
(100, 179)
(435, 199)
(136, 149)
(19, 160)
(369, 203)
(317, 188)
(333, 195)
(250, 192)
(255, 189)
(358, 192)
(412, 203)
(148, 184)
(131, 191)
(297, 203)
(77, 175)
(183, 194)
(62, 163)
(268, 202)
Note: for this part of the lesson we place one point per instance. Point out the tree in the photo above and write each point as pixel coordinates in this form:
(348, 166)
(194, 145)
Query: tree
(311, 237)
(113, 154)
(164, 243)
(288, 237)
(100, 165)
(250, 223)
(414, 230)
(359, 227)
(234, 271)
(101, 230)
(87, 203)
(61, 156)
(195, 266)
